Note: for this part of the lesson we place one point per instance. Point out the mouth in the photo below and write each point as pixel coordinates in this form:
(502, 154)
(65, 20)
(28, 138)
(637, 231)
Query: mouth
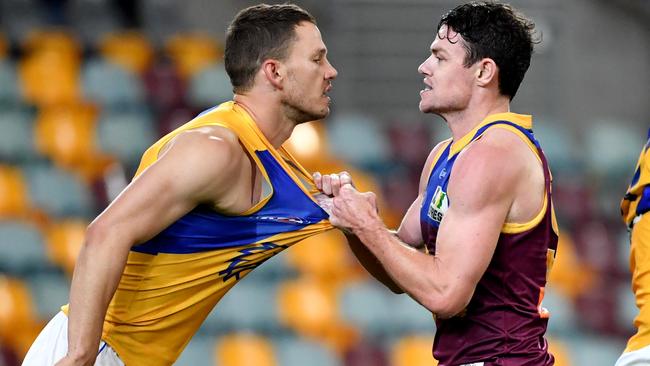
(327, 90)
(427, 87)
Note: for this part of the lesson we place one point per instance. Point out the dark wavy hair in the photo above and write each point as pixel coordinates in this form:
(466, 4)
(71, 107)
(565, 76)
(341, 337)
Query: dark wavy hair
(259, 33)
(497, 31)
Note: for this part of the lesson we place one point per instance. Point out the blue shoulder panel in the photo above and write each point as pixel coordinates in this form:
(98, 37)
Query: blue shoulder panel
(203, 229)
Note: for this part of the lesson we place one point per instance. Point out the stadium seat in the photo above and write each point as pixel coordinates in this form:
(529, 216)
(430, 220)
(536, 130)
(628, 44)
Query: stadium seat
(192, 52)
(359, 140)
(559, 146)
(14, 194)
(368, 305)
(325, 256)
(622, 144)
(563, 320)
(16, 139)
(588, 349)
(299, 352)
(626, 310)
(247, 306)
(50, 291)
(198, 352)
(49, 77)
(22, 248)
(57, 192)
(570, 276)
(9, 90)
(64, 240)
(3, 46)
(560, 352)
(92, 19)
(210, 86)
(67, 135)
(160, 19)
(51, 40)
(244, 349)
(16, 307)
(411, 317)
(129, 49)
(164, 87)
(413, 351)
(173, 118)
(272, 270)
(21, 17)
(307, 305)
(110, 84)
(126, 133)
(18, 323)
(366, 354)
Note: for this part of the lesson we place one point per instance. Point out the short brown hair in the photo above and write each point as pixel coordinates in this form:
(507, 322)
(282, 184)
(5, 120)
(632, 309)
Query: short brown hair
(258, 33)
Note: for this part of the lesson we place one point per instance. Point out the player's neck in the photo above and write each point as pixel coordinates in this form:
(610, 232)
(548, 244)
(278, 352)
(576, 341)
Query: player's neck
(268, 117)
(462, 122)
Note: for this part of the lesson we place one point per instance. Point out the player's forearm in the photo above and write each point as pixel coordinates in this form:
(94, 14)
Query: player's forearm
(371, 264)
(414, 272)
(97, 273)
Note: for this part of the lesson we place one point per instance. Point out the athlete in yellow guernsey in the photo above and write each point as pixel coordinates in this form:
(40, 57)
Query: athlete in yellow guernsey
(210, 202)
(634, 207)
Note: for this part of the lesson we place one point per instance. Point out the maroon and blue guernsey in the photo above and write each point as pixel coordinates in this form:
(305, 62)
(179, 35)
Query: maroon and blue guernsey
(504, 322)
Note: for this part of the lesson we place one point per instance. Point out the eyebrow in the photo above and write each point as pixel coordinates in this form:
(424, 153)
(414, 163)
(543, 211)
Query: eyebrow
(320, 52)
(439, 51)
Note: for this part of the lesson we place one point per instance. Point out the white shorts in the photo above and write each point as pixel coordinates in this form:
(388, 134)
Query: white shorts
(640, 357)
(51, 345)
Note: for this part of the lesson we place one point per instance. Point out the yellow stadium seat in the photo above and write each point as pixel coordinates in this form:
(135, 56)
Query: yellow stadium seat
(64, 240)
(331, 260)
(308, 144)
(56, 40)
(307, 305)
(49, 77)
(129, 49)
(560, 351)
(244, 350)
(67, 134)
(413, 351)
(193, 52)
(14, 201)
(18, 324)
(569, 275)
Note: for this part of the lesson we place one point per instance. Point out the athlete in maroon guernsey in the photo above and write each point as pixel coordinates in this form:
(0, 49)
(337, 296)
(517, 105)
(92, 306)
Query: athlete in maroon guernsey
(475, 246)
(504, 322)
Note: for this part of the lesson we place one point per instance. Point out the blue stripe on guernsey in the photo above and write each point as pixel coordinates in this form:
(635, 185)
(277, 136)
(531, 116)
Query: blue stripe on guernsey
(637, 173)
(203, 229)
(644, 202)
(208, 110)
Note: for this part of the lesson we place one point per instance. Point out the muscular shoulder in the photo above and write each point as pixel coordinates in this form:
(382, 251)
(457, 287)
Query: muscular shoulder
(207, 157)
(489, 168)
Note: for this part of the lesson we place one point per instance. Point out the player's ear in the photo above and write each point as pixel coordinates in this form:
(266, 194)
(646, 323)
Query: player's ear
(486, 71)
(273, 72)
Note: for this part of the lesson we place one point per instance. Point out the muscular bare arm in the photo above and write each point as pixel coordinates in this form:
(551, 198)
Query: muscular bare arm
(197, 167)
(481, 187)
(409, 232)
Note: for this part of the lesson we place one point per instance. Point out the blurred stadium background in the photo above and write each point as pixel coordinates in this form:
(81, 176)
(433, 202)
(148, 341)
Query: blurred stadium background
(87, 85)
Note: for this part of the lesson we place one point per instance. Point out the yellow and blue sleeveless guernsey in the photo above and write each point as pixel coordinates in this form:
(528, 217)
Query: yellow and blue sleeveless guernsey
(633, 207)
(637, 198)
(174, 280)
